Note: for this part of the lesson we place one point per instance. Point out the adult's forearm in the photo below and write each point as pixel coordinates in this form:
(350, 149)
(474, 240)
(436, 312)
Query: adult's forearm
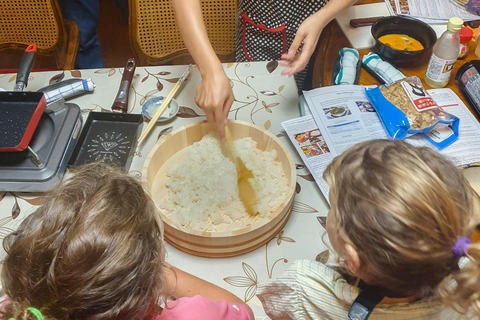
(332, 9)
(189, 18)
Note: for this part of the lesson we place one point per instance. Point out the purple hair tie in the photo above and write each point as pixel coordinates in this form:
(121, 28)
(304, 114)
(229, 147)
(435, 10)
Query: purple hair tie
(460, 248)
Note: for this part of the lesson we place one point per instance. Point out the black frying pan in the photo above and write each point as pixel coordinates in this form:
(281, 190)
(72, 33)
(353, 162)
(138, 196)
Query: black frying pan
(20, 111)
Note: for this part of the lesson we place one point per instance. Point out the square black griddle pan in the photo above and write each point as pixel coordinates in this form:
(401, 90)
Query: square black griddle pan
(110, 137)
(20, 111)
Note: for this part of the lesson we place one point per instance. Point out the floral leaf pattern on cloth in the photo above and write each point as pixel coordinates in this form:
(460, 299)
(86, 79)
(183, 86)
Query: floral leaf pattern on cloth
(300, 207)
(323, 222)
(76, 73)
(148, 95)
(172, 80)
(272, 65)
(250, 98)
(280, 239)
(136, 174)
(186, 112)
(249, 281)
(164, 132)
(38, 201)
(307, 177)
(15, 209)
(298, 188)
(4, 230)
(268, 93)
(159, 86)
(323, 256)
(57, 78)
(96, 107)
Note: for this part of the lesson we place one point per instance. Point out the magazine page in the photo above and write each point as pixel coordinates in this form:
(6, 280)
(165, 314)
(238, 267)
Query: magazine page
(438, 9)
(344, 115)
(466, 149)
(311, 146)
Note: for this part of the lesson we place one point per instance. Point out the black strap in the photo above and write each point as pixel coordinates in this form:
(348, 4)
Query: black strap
(366, 301)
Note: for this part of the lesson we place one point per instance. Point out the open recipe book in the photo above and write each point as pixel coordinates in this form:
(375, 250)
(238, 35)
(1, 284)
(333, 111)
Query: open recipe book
(341, 116)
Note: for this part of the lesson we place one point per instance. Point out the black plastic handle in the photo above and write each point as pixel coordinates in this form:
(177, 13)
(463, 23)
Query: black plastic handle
(26, 65)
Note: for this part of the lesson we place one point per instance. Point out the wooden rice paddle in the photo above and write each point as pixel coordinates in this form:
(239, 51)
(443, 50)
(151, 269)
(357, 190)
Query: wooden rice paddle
(165, 104)
(246, 192)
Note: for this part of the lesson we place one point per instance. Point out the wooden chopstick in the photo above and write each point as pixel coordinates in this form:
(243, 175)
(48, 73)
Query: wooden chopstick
(165, 104)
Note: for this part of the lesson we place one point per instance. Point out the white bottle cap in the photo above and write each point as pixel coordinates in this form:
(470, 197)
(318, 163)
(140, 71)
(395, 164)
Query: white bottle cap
(454, 24)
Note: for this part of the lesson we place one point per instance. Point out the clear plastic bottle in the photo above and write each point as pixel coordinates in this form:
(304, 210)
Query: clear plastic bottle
(445, 53)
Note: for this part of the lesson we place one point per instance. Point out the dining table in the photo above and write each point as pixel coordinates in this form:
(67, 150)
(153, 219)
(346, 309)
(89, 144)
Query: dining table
(263, 97)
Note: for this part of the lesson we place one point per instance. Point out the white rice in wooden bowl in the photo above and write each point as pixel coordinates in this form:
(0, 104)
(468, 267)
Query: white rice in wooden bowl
(203, 190)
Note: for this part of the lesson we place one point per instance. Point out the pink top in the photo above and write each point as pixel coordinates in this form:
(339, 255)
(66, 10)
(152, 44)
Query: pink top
(200, 308)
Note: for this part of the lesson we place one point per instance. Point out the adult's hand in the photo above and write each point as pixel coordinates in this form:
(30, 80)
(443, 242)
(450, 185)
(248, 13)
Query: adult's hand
(307, 37)
(215, 97)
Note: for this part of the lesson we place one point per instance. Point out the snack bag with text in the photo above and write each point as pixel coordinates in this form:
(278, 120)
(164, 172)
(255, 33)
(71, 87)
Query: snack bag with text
(405, 108)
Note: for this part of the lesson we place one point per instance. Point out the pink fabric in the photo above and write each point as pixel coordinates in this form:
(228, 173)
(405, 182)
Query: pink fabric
(200, 308)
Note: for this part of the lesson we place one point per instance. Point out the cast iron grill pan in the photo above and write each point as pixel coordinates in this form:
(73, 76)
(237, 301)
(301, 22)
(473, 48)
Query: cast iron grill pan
(19, 116)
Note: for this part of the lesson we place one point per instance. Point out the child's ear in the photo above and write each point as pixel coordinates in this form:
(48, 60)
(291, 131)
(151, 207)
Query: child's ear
(351, 256)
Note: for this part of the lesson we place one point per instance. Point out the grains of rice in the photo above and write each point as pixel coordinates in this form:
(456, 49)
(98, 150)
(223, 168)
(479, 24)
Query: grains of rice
(203, 190)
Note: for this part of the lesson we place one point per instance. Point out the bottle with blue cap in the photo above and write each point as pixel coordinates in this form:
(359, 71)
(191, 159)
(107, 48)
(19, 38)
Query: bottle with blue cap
(445, 53)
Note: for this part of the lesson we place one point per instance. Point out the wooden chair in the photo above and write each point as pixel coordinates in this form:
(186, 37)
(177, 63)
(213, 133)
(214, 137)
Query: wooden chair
(23, 22)
(155, 38)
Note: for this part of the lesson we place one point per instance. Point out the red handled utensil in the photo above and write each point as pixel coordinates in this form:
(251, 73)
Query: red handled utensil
(120, 105)
(20, 111)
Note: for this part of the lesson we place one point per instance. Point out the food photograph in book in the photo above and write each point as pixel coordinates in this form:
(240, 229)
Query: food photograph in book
(312, 143)
(365, 106)
(339, 111)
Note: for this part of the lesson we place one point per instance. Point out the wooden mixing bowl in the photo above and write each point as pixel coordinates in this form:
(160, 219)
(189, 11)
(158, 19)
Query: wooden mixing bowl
(257, 231)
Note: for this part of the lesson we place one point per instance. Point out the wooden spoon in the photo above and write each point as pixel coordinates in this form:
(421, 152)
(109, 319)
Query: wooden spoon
(245, 189)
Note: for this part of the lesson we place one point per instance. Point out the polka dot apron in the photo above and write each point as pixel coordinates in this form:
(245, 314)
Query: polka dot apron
(266, 28)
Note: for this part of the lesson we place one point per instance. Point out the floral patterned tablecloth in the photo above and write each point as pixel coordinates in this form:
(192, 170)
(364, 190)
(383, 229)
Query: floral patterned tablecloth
(263, 97)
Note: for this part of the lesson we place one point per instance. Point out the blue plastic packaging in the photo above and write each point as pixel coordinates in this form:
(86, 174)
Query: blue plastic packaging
(441, 131)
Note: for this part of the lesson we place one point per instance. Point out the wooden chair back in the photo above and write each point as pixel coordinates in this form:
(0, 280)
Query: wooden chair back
(40, 22)
(155, 38)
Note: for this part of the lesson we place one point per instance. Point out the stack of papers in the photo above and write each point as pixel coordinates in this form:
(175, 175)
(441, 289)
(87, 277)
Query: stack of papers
(430, 11)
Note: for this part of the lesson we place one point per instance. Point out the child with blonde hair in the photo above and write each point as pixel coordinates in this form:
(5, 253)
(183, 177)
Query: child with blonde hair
(400, 219)
(95, 250)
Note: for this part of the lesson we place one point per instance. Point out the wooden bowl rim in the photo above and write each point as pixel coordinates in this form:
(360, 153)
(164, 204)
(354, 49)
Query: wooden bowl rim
(257, 224)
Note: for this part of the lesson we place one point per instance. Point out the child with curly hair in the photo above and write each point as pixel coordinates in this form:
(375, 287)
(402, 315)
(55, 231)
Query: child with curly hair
(401, 219)
(95, 250)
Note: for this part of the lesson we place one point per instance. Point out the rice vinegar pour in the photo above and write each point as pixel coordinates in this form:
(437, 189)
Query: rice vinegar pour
(445, 53)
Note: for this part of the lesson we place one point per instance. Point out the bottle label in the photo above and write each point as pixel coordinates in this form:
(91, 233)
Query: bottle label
(439, 69)
(463, 50)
